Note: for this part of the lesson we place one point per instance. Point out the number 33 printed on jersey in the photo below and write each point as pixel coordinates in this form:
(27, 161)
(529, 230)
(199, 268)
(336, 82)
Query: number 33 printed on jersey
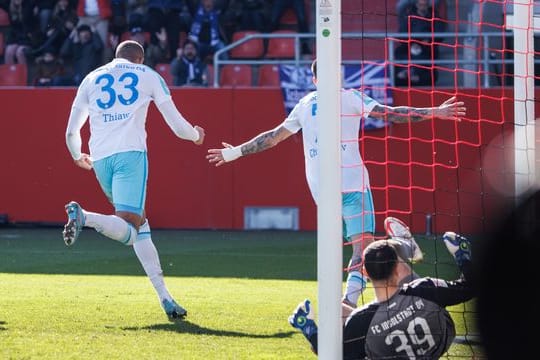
(129, 82)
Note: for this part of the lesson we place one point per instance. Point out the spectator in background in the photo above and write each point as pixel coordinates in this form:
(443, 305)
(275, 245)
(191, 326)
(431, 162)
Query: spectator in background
(20, 33)
(118, 22)
(173, 15)
(219, 5)
(245, 15)
(277, 11)
(402, 7)
(44, 10)
(206, 30)
(418, 19)
(50, 70)
(135, 12)
(153, 53)
(61, 24)
(96, 14)
(85, 49)
(187, 68)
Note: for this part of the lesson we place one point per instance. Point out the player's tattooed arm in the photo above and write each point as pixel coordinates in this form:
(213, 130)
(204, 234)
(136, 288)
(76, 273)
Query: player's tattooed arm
(451, 109)
(259, 143)
(401, 114)
(265, 140)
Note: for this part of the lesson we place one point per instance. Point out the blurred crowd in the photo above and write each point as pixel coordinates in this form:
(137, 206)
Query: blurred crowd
(63, 40)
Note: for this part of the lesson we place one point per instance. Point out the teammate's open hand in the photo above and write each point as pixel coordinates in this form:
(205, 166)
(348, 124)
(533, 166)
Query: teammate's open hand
(450, 110)
(216, 155)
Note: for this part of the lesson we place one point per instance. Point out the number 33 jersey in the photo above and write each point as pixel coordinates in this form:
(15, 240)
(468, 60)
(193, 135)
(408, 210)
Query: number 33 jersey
(116, 96)
(412, 324)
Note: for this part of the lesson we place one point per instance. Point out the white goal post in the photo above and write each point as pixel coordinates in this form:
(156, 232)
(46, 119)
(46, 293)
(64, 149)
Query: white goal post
(329, 223)
(524, 117)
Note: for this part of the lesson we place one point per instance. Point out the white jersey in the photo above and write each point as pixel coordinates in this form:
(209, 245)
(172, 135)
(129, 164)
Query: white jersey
(354, 105)
(116, 96)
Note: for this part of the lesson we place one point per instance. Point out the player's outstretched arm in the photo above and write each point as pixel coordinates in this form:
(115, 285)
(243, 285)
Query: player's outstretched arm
(259, 143)
(451, 109)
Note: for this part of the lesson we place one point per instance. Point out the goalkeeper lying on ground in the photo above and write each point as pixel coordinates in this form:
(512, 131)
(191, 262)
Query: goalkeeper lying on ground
(407, 320)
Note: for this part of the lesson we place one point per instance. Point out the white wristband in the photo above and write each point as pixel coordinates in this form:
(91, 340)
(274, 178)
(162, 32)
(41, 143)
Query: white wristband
(230, 154)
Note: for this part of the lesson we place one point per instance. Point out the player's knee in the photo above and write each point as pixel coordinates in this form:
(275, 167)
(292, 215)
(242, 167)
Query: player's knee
(133, 219)
(144, 231)
(131, 236)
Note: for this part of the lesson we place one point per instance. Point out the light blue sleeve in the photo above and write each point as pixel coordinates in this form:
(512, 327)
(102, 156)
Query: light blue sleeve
(362, 103)
(160, 90)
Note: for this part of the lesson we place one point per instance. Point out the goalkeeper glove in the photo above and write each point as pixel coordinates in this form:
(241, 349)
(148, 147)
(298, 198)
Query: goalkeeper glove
(458, 246)
(303, 320)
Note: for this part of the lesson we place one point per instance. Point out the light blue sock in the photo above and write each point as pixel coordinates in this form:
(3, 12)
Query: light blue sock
(356, 284)
(148, 257)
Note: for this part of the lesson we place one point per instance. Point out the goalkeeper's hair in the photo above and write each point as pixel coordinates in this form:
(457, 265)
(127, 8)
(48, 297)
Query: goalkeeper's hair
(380, 260)
(130, 50)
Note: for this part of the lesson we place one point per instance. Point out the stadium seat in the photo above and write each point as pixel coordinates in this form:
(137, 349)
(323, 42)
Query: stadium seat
(281, 48)
(288, 18)
(235, 75)
(2, 45)
(165, 71)
(13, 75)
(251, 49)
(4, 18)
(269, 75)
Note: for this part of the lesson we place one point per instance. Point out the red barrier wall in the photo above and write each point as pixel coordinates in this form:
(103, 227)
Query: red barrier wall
(38, 176)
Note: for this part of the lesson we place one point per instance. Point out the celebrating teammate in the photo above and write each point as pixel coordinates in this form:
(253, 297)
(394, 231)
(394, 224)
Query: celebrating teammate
(406, 320)
(357, 211)
(116, 97)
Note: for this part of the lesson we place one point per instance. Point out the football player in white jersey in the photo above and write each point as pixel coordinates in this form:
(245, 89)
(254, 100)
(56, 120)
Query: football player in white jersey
(358, 212)
(115, 97)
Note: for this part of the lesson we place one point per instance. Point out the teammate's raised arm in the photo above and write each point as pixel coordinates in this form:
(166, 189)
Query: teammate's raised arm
(261, 142)
(451, 109)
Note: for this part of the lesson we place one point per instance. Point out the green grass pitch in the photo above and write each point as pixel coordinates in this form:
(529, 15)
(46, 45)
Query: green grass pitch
(93, 301)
